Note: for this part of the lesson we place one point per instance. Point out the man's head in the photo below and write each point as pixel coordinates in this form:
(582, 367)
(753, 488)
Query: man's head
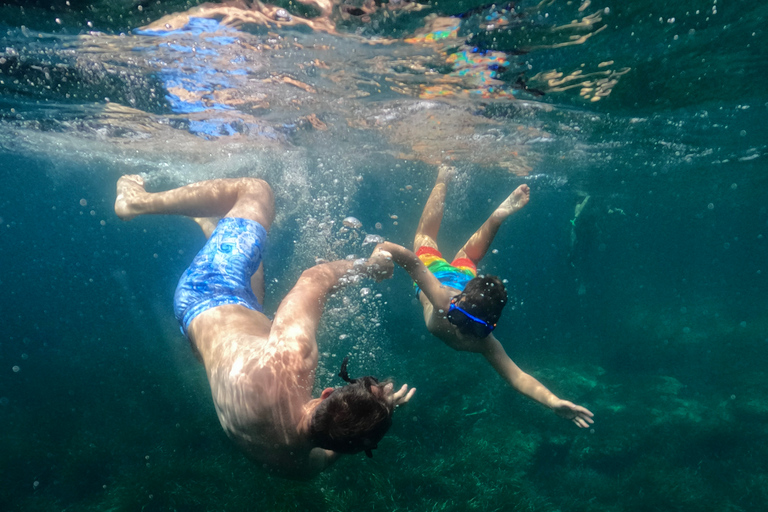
(483, 298)
(352, 418)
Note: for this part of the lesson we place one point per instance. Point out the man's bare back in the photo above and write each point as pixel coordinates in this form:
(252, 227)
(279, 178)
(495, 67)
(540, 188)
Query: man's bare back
(261, 386)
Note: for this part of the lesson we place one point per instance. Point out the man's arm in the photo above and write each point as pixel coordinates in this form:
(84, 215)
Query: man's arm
(530, 387)
(320, 459)
(298, 315)
(411, 263)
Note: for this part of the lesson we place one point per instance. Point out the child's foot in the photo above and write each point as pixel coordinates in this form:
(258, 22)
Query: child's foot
(514, 202)
(129, 189)
(445, 173)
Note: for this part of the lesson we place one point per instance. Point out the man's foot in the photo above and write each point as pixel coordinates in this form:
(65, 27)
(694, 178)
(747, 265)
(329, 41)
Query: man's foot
(514, 202)
(129, 189)
(445, 173)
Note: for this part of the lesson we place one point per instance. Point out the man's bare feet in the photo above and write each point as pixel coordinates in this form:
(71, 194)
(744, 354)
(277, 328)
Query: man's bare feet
(514, 202)
(445, 173)
(129, 189)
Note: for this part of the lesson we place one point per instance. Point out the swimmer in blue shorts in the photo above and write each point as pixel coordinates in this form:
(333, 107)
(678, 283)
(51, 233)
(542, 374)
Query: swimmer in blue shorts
(262, 371)
(462, 308)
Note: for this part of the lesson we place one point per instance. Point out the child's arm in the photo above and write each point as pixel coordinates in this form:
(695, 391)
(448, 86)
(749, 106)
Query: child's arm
(411, 263)
(530, 387)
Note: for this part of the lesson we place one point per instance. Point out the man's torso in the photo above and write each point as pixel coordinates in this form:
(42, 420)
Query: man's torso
(259, 384)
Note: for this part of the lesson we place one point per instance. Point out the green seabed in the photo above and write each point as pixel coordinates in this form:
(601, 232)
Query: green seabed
(660, 442)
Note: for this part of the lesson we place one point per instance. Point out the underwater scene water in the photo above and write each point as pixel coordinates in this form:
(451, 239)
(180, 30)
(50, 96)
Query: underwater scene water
(637, 273)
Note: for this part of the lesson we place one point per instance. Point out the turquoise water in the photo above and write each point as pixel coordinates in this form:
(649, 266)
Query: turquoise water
(648, 307)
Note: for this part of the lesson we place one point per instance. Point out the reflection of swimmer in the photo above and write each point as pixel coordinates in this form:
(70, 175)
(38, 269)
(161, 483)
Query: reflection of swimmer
(475, 71)
(261, 371)
(462, 308)
(207, 94)
(238, 13)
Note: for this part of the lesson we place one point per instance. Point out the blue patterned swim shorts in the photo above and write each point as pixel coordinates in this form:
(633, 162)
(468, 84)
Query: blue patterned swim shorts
(221, 272)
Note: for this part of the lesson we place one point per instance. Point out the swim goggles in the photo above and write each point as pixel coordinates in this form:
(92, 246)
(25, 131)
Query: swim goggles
(466, 323)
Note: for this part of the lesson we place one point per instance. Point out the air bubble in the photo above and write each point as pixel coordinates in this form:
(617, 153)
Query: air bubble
(352, 222)
(373, 239)
(282, 15)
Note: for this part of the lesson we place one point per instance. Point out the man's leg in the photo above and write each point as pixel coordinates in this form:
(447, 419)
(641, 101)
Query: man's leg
(432, 216)
(206, 202)
(247, 198)
(480, 241)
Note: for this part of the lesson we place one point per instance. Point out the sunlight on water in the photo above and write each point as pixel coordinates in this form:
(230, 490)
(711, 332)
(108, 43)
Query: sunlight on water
(219, 72)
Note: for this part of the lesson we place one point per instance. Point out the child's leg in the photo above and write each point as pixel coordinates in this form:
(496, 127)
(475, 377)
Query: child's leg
(480, 241)
(432, 216)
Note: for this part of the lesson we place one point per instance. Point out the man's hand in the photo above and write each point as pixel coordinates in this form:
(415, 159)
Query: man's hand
(401, 396)
(579, 415)
(380, 265)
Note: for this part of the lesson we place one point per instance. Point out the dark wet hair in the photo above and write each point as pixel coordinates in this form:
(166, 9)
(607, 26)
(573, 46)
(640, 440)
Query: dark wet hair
(352, 419)
(485, 297)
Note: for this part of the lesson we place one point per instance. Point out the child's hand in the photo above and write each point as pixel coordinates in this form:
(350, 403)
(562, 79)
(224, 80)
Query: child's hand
(380, 265)
(579, 415)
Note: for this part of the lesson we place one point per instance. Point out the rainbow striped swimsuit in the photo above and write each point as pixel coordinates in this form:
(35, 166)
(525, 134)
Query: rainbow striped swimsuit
(455, 274)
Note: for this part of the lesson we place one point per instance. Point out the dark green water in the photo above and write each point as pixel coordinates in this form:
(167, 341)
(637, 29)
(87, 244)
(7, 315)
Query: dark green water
(649, 308)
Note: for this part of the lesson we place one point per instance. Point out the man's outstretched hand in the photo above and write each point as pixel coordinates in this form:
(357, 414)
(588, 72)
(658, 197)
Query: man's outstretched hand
(401, 396)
